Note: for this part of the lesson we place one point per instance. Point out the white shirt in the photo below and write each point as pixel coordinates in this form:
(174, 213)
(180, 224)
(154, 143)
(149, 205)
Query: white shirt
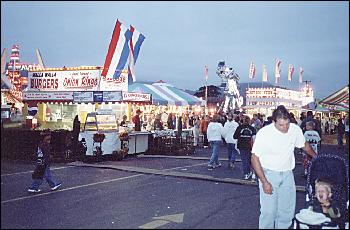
(215, 131)
(229, 129)
(276, 149)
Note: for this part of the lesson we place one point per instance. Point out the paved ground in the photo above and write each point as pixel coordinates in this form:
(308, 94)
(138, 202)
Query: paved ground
(146, 191)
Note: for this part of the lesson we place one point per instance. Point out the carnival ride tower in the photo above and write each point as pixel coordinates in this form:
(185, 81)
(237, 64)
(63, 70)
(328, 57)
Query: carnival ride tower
(13, 73)
(233, 101)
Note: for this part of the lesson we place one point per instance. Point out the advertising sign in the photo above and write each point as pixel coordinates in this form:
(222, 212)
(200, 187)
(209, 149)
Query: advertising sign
(83, 96)
(74, 80)
(98, 96)
(112, 96)
(136, 96)
(64, 96)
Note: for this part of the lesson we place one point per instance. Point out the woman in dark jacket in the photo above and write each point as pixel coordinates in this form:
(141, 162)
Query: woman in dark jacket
(42, 169)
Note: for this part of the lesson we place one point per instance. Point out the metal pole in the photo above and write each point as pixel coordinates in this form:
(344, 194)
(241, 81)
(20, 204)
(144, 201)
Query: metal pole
(206, 89)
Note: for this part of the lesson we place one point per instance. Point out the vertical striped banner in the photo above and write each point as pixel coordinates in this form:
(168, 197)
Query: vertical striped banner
(277, 70)
(264, 74)
(301, 75)
(252, 70)
(290, 72)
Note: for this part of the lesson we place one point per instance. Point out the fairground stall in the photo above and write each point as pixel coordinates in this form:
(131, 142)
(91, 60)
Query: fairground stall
(59, 94)
(167, 99)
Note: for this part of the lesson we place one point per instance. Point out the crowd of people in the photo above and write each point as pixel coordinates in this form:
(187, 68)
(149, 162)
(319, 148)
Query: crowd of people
(266, 148)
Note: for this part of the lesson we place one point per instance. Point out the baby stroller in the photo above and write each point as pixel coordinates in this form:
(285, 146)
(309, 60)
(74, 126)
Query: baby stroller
(333, 168)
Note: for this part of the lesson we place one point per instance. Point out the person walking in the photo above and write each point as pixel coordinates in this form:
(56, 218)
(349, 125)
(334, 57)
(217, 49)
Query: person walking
(42, 168)
(75, 137)
(273, 161)
(245, 134)
(230, 127)
(203, 129)
(340, 133)
(346, 129)
(195, 129)
(215, 132)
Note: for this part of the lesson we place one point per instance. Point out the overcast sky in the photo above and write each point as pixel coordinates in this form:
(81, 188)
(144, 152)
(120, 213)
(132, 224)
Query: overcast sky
(183, 37)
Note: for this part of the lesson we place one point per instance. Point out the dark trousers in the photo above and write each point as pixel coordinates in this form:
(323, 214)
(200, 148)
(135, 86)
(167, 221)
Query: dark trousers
(246, 156)
(205, 142)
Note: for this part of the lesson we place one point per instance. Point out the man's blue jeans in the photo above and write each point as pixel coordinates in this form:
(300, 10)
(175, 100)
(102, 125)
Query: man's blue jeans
(246, 156)
(47, 175)
(214, 159)
(277, 210)
(231, 152)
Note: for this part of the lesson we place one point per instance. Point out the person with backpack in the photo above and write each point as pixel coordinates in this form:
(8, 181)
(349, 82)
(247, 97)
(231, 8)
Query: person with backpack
(245, 134)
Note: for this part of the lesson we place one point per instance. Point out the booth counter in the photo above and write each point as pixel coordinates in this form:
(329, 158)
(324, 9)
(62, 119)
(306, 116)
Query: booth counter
(104, 122)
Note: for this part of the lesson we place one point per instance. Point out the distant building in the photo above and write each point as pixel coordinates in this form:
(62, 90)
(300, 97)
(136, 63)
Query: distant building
(265, 98)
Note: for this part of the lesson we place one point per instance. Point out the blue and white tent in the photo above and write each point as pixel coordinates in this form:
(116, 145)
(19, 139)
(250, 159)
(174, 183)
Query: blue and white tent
(165, 94)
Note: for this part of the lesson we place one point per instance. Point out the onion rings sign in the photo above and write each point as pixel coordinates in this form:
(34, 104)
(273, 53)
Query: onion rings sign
(74, 80)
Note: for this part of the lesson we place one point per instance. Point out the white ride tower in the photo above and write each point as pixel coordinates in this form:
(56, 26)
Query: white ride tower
(233, 101)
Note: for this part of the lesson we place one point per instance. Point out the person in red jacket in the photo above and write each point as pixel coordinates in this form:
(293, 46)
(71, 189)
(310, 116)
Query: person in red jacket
(203, 129)
(137, 121)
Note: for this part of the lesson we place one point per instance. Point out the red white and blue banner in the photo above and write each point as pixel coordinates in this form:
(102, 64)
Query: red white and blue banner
(135, 43)
(118, 52)
(252, 70)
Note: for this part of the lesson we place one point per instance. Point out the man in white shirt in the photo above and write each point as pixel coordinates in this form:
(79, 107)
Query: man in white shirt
(229, 129)
(215, 132)
(273, 161)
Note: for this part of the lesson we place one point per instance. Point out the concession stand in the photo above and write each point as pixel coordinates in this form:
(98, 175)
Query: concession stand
(62, 93)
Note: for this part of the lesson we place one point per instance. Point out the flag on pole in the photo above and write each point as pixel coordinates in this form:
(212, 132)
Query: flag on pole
(301, 75)
(290, 72)
(252, 70)
(277, 70)
(118, 52)
(134, 44)
(264, 74)
(206, 72)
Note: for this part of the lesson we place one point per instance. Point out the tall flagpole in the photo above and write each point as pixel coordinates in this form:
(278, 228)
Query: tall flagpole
(206, 87)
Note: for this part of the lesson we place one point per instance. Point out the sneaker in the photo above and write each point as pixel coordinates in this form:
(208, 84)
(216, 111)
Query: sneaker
(205, 146)
(218, 165)
(231, 165)
(253, 177)
(31, 190)
(211, 167)
(246, 176)
(56, 187)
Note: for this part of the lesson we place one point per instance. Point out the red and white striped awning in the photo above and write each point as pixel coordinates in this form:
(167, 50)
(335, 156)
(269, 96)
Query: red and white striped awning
(339, 98)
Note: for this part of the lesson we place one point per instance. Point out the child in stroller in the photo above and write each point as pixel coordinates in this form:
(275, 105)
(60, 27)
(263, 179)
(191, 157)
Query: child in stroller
(327, 192)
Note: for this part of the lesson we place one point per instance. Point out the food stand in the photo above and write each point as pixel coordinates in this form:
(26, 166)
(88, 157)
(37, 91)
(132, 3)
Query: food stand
(104, 121)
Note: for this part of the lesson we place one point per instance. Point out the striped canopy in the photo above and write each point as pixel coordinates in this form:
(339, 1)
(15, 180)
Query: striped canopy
(339, 98)
(165, 94)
